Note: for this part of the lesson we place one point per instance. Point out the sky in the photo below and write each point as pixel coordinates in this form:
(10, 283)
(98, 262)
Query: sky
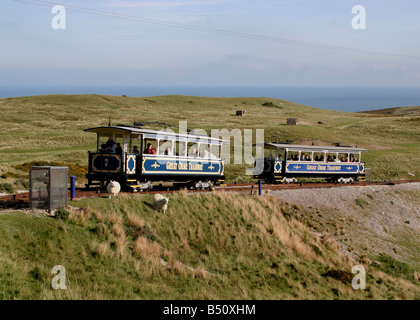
(210, 43)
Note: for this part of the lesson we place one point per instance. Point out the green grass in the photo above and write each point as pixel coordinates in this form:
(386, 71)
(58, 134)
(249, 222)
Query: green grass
(206, 246)
(396, 268)
(50, 128)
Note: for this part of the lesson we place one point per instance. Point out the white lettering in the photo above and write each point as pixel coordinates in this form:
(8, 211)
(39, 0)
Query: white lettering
(359, 21)
(59, 281)
(359, 280)
(59, 21)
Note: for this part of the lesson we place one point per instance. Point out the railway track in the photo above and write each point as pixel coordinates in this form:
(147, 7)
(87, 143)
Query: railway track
(21, 200)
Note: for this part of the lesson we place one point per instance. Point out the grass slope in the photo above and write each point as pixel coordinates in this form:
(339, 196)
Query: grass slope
(206, 246)
(49, 129)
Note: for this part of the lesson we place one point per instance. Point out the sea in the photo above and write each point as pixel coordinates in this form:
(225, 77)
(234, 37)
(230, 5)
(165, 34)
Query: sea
(348, 99)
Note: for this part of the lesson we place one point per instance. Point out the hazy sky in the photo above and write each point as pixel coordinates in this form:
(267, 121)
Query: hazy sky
(124, 49)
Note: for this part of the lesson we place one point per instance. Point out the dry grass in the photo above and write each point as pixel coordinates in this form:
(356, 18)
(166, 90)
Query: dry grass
(147, 249)
(121, 249)
(209, 246)
(134, 220)
(99, 248)
(118, 230)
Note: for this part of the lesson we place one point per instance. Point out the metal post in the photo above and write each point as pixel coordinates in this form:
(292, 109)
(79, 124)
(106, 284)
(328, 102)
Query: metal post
(259, 187)
(73, 187)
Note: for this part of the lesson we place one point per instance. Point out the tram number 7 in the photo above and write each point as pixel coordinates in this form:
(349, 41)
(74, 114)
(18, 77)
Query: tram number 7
(106, 162)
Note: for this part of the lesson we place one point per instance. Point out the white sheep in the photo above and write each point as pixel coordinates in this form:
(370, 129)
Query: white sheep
(160, 202)
(113, 188)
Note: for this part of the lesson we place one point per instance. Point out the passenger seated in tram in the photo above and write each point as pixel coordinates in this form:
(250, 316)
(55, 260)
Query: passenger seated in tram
(168, 152)
(149, 149)
(194, 153)
(136, 150)
(118, 149)
(295, 158)
(336, 159)
(183, 153)
(303, 157)
(110, 145)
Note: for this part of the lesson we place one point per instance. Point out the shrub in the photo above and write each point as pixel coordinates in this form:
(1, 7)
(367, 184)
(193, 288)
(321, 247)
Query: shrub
(340, 275)
(270, 104)
(7, 187)
(361, 203)
(24, 183)
(62, 213)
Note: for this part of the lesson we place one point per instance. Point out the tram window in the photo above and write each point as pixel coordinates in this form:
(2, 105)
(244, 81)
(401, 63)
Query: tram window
(153, 146)
(192, 149)
(354, 158)
(134, 146)
(279, 155)
(343, 157)
(293, 156)
(318, 156)
(304, 157)
(181, 148)
(330, 157)
(165, 147)
(203, 150)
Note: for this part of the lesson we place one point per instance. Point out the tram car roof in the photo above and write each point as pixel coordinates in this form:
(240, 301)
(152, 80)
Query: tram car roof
(296, 147)
(119, 130)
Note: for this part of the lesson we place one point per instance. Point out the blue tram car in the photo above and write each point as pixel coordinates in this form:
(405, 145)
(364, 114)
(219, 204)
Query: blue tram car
(146, 156)
(286, 163)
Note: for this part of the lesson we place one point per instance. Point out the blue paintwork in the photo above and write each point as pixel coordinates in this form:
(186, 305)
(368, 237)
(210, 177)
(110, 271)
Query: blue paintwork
(131, 164)
(323, 167)
(106, 162)
(157, 165)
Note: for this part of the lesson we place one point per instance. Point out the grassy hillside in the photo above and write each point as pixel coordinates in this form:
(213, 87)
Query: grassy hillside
(221, 246)
(206, 246)
(400, 111)
(49, 129)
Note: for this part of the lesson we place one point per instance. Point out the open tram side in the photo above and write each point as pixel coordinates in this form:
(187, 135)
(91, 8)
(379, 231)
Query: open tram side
(184, 159)
(287, 163)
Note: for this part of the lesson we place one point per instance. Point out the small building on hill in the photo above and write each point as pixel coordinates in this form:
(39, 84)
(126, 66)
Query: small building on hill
(292, 121)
